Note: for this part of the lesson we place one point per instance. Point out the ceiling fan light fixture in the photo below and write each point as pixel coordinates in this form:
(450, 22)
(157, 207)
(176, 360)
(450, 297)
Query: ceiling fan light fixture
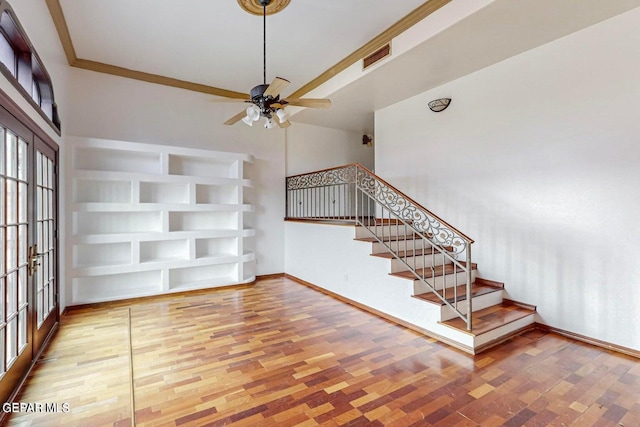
(253, 113)
(266, 97)
(269, 123)
(282, 115)
(248, 121)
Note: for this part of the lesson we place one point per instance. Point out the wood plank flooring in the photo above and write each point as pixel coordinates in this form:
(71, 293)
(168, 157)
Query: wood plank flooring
(281, 354)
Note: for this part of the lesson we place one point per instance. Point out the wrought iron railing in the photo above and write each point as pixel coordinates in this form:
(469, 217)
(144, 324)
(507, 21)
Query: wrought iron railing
(435, 253)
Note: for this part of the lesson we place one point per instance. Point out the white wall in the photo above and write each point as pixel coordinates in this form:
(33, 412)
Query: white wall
(537, 160)
(311, 148)
(110, 107)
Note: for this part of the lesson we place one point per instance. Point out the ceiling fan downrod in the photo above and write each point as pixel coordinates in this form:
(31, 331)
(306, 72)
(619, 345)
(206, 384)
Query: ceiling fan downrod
(264, 4)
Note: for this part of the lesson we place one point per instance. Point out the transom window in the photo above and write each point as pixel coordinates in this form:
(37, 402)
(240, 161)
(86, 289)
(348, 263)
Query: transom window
(22, 66)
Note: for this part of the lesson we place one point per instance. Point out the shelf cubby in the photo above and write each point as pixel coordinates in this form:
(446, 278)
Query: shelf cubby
(151, 219)
(217, 194)
(88, 223)
(101, 159)
(216, 247)
(101, 254)
(164, 250)
(88, 191)
(202, 166)
(111, 287)
(200, 221)
(164, 192)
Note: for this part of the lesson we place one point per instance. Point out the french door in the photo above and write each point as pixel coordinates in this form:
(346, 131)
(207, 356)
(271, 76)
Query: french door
(28, 243)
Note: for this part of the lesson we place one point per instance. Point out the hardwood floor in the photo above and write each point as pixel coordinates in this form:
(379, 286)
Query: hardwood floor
(281, 354)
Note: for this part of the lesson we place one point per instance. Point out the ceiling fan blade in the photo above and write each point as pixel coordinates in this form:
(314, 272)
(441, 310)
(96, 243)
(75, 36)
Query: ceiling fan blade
(308, 102)
(276, 86)
(229, 100)
(235, 119)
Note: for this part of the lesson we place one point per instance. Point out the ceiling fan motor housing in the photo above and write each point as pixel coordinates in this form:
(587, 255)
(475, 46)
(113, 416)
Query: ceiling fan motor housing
(263, 102)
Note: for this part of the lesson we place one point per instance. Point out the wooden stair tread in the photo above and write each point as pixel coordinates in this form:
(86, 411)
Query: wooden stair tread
(461, 290)
(490, 318)
(428, 272)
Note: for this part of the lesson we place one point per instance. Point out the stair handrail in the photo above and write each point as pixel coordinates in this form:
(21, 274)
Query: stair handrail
(439, 234)
(346, 175)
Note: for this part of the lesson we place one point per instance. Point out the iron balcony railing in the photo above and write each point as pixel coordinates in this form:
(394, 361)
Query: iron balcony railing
(435, 253)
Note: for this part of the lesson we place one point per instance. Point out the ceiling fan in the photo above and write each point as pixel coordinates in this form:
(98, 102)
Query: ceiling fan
(265, 98)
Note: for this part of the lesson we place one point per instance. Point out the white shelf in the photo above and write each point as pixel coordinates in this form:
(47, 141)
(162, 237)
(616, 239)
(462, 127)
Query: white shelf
(152, 219)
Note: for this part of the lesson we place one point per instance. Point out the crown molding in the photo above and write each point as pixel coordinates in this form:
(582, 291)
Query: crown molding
(57, 15)
(101, 67)
(417, 15)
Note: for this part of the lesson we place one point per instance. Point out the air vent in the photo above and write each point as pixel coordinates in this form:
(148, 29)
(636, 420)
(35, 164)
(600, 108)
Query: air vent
(376, 56)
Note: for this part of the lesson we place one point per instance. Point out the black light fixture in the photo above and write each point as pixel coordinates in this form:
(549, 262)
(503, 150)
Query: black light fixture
(438, 105)
(265, 98)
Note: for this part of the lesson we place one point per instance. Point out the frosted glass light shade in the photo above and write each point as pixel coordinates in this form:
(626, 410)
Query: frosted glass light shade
(282, 115)
(253, 113)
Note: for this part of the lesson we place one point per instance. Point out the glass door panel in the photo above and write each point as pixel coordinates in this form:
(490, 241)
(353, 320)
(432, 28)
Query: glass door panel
(14, 236)
(45, 279)
(46, 301)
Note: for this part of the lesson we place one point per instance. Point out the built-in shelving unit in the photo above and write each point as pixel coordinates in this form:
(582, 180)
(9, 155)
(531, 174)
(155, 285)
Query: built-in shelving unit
(152, 219)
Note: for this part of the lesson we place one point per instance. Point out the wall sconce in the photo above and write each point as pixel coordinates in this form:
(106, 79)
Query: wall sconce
(367, 140)
(438, 105)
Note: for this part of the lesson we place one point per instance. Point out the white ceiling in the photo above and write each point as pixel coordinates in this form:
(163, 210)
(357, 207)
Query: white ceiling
(216, 43)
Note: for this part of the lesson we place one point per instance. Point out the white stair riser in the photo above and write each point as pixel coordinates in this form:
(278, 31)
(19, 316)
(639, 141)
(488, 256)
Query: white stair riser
(449, 279)
(504, 330)
(418, 262)
(402, 245)
(477, 303)
(384, 230)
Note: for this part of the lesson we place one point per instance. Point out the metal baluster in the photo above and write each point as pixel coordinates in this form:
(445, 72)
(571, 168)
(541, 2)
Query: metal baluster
(469, 304)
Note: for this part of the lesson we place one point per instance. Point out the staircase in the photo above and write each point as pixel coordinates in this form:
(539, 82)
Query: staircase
(494, 319)
(421, 250)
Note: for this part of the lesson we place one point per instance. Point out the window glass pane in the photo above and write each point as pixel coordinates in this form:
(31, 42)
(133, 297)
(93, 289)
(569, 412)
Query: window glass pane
(22, 328)
(3, 201)
(22, 159)
(2, 270)
(50, 173)
(50, 204)
(39, 203)
(11, 155)
(22, 286)
(12, 293)
(11, 247)
(7, 55)
(38, 168)
(22, 244)
(22, 202)
(2, 150)
(35, 92)
(2, 280)
(12, 201)
(51, 296)
(3, 331)
(12, 350)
